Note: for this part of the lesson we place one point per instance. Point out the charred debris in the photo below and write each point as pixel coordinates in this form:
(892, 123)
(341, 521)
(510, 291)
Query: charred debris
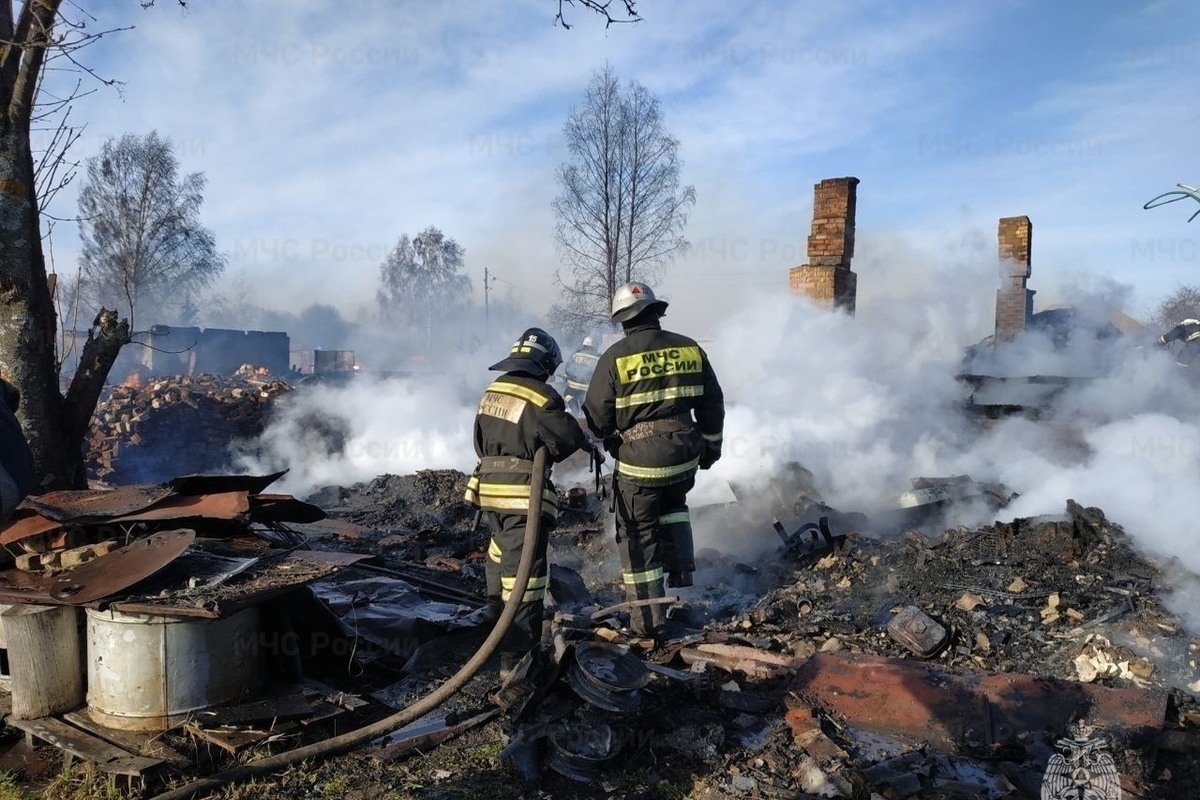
(856, 657)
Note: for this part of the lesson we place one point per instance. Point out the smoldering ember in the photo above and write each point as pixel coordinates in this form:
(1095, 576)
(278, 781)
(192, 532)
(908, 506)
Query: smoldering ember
(221, 616)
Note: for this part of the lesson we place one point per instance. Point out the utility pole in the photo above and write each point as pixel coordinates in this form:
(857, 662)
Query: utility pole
(487, 289)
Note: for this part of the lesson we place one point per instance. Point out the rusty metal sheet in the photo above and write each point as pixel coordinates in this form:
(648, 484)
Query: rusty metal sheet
(216, 484)
(70, 505)
(121, 568)
(18, 586)
(948, 710)
(25, 525)
(283, 508)
(222, 506)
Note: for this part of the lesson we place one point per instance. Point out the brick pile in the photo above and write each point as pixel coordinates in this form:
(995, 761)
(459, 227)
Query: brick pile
(175, 425)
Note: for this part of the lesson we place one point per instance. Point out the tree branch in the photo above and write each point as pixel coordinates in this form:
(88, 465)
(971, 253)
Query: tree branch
(107, 336)
(600, 8)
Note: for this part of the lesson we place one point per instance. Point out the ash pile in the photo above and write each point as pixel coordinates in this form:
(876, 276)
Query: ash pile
(862, 656)
(148, 432)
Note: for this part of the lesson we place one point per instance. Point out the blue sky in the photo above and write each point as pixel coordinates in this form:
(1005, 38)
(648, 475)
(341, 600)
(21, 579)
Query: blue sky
(325, 135)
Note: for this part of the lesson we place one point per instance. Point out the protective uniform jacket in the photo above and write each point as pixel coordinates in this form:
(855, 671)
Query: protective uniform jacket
(580, 369)
(1183, 332)
(646, 389)
(517, 415)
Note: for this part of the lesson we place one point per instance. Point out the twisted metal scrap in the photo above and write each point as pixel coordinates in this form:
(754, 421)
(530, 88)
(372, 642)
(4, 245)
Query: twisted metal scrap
(1176, 194)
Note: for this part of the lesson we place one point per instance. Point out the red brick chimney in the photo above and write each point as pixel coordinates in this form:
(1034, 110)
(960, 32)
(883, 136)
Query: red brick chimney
(827, 277)
(1014, 302)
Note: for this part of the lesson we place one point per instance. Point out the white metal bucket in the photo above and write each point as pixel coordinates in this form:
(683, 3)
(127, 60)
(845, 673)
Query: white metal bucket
(148, 672)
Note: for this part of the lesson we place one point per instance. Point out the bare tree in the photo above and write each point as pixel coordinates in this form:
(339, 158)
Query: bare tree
(621, 210)
(143, 244)
(422, 279)
(1183, 303)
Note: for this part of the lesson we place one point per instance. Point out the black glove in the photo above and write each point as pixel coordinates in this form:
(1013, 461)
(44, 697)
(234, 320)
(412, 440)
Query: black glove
(710, 453)
(612, 444)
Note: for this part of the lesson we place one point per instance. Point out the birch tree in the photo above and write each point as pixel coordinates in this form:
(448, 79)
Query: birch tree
(421, 280)
(144, 247)
(621, 210)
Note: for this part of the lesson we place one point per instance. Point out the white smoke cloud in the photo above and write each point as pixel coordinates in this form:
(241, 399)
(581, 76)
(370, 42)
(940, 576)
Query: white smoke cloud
(865, 403)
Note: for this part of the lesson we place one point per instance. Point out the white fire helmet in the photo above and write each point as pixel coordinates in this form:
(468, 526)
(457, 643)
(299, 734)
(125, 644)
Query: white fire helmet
(632, 299)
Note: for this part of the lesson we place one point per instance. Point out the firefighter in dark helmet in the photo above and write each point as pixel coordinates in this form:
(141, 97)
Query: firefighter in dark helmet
(655, 402)
(518, 414)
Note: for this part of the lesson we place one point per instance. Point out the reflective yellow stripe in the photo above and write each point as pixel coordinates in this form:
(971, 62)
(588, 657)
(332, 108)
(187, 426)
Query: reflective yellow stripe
(504, 489)
(531, 596)
(513, 497)
(535, 589)
(516, 390)
(577, 386)
(656, 473)
(515, 490)
(510, 582)
(515, 505)
(658, 395)
(494, 552)
(644, 576)
(712, 437)
(674, 518)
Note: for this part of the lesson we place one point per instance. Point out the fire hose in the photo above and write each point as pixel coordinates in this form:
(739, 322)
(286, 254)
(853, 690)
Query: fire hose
(352, 739)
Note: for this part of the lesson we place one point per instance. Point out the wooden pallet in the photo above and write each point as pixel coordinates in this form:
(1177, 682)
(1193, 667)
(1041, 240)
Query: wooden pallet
(83, 745)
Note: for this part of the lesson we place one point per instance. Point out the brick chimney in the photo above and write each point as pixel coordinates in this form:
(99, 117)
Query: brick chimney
(827, 277)
(1014, 302)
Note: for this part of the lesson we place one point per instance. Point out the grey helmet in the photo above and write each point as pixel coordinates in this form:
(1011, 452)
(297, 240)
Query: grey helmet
(632, 299)
(588, 342)
(535, 352)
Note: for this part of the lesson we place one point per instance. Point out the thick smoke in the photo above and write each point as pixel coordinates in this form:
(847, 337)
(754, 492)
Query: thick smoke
(865, 403)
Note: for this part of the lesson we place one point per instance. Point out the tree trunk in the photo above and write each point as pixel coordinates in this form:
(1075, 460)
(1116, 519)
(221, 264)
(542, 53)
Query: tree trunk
(28, 324)
(54, 426)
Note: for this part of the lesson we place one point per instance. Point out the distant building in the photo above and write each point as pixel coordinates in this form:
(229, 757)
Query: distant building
(317, 361)
(184, 351)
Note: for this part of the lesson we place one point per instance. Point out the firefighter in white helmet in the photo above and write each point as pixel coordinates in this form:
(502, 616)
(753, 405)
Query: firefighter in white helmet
(655, 402)
(579, 371)
(1187, 332)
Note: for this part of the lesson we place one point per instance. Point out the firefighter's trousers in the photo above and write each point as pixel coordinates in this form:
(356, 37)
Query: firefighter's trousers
(650, 521)
(504, 556)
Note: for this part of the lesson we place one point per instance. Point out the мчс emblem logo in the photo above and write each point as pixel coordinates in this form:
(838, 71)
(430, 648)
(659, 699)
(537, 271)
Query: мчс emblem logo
(1083, 770)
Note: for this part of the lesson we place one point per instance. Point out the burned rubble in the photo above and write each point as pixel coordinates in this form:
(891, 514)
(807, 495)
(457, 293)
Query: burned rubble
(743, 698)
